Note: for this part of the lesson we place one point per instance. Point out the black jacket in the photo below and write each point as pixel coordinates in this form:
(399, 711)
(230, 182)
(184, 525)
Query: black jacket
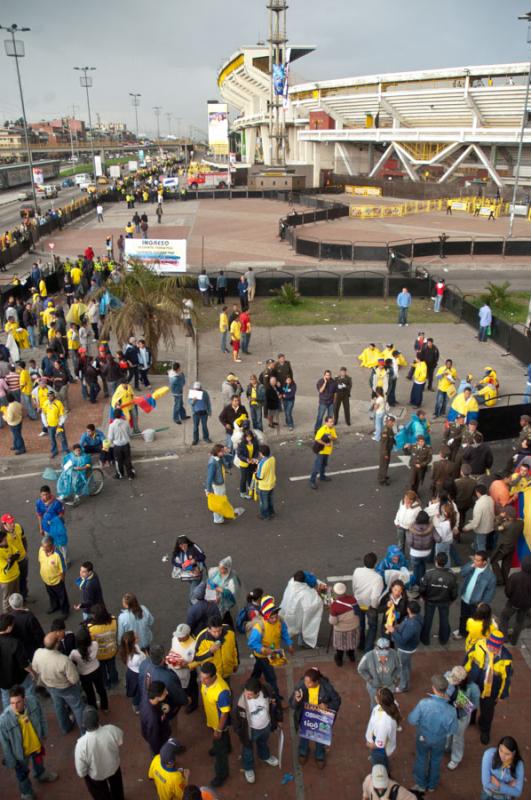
(518, 588)
(154, 724)
(480, 458)
(239, 719)
(327, 695)
(438, 586)
(229, 414)
(28, 630)
(91, 593)
(430, 355)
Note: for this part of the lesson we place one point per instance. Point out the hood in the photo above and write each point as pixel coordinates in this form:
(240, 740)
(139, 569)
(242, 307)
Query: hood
(425, 527)
(392, 552)
(226, 562)
(526, 565)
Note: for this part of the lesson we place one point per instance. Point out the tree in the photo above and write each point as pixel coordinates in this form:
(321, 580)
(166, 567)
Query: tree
(149, 302)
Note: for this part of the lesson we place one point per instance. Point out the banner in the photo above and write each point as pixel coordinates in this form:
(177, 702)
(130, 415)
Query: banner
(316, 725)
(279, 79)
(218, 127)
(98, 166)
(38, 176)
(165, 256)
(364, 191)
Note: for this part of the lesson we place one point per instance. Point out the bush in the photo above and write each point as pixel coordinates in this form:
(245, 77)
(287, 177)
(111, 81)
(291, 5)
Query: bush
(497, 294)
(287, 295)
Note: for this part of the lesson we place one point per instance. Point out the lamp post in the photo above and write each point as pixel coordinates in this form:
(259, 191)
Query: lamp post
(136, 102)
(157, 110)
(15, 49)
(169, 115)
(527, 17)
(86, 82)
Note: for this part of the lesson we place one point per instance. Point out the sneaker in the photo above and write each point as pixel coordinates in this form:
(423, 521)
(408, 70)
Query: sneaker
(456, 635)
(48, 777)
(250, 777)
(417, 788)
(325, 478)
(272, 761)
(452, 765)
(239, 511)
(313, 485)
(42, 433)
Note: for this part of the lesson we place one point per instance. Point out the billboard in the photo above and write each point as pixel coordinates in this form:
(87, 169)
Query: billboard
(218, 128)
(165, 256)
(38, 176)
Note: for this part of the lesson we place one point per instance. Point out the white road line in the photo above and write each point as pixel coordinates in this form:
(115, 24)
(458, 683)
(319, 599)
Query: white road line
(23, 475)
(138, 461)
(346, 471)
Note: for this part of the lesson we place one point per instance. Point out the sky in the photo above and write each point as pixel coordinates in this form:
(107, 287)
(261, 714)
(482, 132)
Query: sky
(170, 50)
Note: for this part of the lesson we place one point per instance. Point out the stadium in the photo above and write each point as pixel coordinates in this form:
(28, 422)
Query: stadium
(439, 126)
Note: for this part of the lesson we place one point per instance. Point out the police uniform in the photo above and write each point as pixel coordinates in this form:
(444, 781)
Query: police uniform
(421, 455)
(453, 436)
(387, 442)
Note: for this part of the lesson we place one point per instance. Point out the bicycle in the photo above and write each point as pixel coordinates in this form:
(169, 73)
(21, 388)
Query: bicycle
(92, 483)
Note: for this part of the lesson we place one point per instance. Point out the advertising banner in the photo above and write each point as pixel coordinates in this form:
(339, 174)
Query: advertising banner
(38, 176)
(132, 166)
(218, 127)
(316, 725)
(98, 166)
(164, 256)
(364, 191)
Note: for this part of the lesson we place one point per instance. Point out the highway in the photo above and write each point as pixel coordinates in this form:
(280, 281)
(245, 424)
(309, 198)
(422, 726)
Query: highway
(10, 206)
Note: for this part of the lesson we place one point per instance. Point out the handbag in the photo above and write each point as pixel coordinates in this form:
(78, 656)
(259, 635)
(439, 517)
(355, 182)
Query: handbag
(219, 504)
(451, 391)
(317, 447)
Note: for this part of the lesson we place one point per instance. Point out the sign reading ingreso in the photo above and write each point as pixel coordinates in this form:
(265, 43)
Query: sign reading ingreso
(163, 256)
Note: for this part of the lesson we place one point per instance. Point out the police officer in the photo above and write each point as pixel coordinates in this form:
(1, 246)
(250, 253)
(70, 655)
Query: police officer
(342, 397)
(421, 456)
(387, 442)
(453, 436)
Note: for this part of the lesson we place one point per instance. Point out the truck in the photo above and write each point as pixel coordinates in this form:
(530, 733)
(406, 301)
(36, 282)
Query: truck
(209, 180)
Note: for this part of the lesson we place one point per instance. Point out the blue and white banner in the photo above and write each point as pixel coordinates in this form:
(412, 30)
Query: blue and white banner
(164, 256)
(316, 725)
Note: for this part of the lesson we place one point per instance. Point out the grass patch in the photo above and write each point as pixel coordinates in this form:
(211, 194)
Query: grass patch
(268, 312)
(513, 308)
(67, 173)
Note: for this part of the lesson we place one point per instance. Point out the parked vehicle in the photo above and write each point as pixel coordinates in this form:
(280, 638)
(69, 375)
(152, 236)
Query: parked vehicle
(208, 180)
(25, 194)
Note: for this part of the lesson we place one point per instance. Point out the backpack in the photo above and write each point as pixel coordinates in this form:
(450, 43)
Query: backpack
(394, 793)
(241, 620)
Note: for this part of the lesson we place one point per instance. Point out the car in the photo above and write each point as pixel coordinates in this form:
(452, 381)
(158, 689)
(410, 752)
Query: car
(25, 194)
(68, 182)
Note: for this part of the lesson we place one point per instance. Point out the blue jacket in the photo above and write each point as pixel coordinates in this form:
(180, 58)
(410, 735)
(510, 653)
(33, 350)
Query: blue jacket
(215, 471)
(485, 587)
(88, 441)
(142, 627)
(177, 383)
(503, 775)
(393, 551)
(199, 406)
(434, 718)
(149, 672)
(11, 736)
(407, 635)
(403, 300)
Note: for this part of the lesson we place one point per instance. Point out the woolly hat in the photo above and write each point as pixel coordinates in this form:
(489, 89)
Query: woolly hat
(496, 640)
(267, 606)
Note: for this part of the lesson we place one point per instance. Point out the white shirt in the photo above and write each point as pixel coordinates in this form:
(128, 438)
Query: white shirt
(119, 432)
(134, 661)
(86, 667)
(98, 752)
(381, 730)
(258, 712)
(99, 209)
(367, 587)
(186, 650)
(406, 515)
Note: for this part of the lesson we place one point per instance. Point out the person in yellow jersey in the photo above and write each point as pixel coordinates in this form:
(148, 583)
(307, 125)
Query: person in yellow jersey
(217, 643)
(170, 780)
(224, 329)
(54, 414)
(76, 311)
(267, 638)
(217, 702)
(447, 377)
(420, 374)
(17, 539)
(266, 480)
(235, 337)
(26, 388)
(43, 291)
(23, 730)
(323, 446)
(315, 690)
(9, 570)
(74, 343)
(123, 398)
(76, 275)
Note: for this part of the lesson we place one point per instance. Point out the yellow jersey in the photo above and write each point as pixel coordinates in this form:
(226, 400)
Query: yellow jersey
(323, 431)
(447, 378)
(8, 572)
(26, 384)
(76, 275)
(169, 783)
(223, 322)
(30, 741)
(16, 540)
(51, 567)
(420, 373)
(236, 330)
(216, 701)
(53, 411)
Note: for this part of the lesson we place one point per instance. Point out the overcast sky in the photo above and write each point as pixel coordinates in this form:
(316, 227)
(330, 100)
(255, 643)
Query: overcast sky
(170, 50)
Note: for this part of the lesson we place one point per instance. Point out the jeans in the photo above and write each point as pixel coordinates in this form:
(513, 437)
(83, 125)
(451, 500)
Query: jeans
(66, 701)
(372, 629)
(417, 392)
(22, 771)
(304, 749)
(178, 409)
(266, 503)
(27, 684)
(480, 541)
(31, 335)
(221, 750)
(443, 547)
(323, 410)
(444, 624)
(319, 467)
(27, 404)
(196, 419)
(405, 669)
(483, 333)
(246, 338)
(402, 315)
(401, 538)
(440, 403)
(288, 412)
(224, 341)
(260, 738)
(427, 768)
(263, 667)
(52, 433)
(419, 569)
(256, 417)
(378, 426)
(18, 441)
(438, 303)
(110, 673)
(94, 390)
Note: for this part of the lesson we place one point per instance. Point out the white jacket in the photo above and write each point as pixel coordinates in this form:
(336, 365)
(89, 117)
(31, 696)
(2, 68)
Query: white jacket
(406, 515)
(367, 587)
(482, 516)
(381, 730)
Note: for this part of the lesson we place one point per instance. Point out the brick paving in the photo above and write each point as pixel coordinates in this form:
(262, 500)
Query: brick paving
(347, 762)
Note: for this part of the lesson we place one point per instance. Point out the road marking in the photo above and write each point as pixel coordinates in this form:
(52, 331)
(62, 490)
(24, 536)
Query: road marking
(138, 461)
(23, 475)
(349, 471)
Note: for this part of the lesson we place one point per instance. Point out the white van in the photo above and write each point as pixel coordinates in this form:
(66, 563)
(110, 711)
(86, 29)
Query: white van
(82, 178)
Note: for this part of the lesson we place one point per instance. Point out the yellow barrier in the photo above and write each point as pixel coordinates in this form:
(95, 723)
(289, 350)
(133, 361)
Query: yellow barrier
(364, 191)
(414, 207)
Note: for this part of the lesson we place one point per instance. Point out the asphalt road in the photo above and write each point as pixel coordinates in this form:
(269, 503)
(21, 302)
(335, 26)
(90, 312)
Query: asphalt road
(10, 212)
(129, 530)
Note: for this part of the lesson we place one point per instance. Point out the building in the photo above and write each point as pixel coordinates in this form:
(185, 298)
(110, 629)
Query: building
(422, 125)
(13, 143)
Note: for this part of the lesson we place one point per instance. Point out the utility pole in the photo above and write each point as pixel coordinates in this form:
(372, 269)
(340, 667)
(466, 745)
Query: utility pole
(169, 115)
(15, 49)
(135, 97)
(86, 82)
(527, 17)
(157, 110)
(277, 62)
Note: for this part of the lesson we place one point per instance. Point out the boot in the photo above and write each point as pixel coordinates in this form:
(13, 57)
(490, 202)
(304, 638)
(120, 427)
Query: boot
(338, 658)
(351, 656)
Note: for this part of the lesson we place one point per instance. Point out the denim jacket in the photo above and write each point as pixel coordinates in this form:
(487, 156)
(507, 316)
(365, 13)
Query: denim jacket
(10, 735)
(434, 718)
(215, 471)
(177, 381)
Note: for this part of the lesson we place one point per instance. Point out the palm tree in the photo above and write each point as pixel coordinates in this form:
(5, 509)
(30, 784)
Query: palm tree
(149, 302)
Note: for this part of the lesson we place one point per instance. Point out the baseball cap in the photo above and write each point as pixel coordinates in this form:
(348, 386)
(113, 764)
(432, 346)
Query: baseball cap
(168, 753)
(380, 778)
(182, 630)
(7, 518)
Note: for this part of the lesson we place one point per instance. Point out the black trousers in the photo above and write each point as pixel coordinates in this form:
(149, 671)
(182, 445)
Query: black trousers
(221, 748)
(345, 402)
(192, 690)
(110, 789)
(487, 707)
(501, 570)
(122, 456)
(95, 681)
(465, 612)
(506, 615)
(58, 598)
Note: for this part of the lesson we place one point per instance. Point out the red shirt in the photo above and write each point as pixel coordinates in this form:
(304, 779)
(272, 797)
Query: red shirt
(89, 253)
(245, 320)
(439, 288)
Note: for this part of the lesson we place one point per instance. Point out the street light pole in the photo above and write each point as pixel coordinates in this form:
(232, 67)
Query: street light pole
(157, 110)
(15, 49)
(136, 102)
(522, 131)
(169, 115)
(86, 82)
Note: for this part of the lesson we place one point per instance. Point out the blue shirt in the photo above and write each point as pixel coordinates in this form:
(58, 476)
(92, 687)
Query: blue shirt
(403, 299)
(503, 775)
(435, 719)
(485, 316)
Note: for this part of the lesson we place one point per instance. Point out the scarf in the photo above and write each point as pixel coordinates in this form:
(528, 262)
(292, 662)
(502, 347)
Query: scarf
(489, 674)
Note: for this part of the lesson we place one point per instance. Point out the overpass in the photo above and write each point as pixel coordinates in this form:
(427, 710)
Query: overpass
(99, 145)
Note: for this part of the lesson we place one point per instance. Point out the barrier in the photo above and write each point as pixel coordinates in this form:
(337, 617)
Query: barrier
(365, 191)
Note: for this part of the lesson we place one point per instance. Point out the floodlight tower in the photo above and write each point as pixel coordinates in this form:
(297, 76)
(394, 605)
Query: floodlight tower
(277, 58)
